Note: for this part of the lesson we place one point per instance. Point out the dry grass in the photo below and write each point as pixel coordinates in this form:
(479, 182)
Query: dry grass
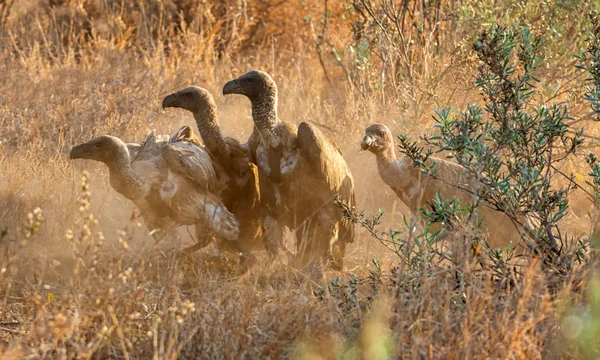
(73, 282)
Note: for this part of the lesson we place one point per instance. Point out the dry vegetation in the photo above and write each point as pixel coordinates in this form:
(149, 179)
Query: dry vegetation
(72, 281)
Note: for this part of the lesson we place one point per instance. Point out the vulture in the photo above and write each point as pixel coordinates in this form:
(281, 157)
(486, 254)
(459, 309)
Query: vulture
(415, 188)
(172, 183)
(238, 175)
(304, 172)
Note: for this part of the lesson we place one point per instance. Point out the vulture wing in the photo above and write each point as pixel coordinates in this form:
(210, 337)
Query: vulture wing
(147, 162)
(326, 158)
(185, 133)
(192, 162)
(252, 144)
(133, 149)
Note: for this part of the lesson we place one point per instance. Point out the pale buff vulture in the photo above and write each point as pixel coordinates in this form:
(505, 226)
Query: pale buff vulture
(416, 189)
(173, 183)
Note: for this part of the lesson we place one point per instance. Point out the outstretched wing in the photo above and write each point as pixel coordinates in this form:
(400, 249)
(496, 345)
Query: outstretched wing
(192, 162)
(326, 158)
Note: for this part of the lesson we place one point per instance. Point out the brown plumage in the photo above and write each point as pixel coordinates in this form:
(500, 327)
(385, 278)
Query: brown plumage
(237, 173)
(172, 182)
(304, 171)
(415, 189)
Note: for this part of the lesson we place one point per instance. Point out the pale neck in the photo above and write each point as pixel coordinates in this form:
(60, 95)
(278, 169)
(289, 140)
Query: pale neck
(210, 131)
(386, 157)
(124, 180)
(398, 173)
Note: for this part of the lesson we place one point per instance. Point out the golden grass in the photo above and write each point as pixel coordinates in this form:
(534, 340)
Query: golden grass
(71, 288)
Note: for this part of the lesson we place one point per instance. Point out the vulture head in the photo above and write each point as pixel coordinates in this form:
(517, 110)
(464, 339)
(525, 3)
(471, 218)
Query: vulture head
(193, 99)
(254, 84)
(378, 138)
(104, 148)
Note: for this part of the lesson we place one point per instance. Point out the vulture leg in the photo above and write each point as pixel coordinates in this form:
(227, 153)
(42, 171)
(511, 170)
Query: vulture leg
(336, 258)
(312, 241)
(338, 250)
(203, 238)
(163, 231)
(273, 236)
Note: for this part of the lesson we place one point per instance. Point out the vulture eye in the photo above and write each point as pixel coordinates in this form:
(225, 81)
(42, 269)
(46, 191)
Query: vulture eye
(188, 94)
(380, 133)
(97, 144)
(249, 80)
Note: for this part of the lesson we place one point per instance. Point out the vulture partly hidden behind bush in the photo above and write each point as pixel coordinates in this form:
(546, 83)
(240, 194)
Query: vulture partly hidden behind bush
(304, 171)
(238, 175)
(416, 189)
(172, 182)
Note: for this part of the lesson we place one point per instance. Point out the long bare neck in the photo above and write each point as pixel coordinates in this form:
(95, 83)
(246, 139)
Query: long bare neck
(402, 176)
(210, 131)
(264, 113)
(124, 180)
(387, 164)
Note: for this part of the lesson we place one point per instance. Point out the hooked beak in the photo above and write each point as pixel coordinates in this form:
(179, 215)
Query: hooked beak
(232, 87)
(170, 101)
(79, 152)
(367, 142)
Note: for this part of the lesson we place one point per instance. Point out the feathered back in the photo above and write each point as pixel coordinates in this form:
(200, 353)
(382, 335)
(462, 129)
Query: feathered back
(180, 155)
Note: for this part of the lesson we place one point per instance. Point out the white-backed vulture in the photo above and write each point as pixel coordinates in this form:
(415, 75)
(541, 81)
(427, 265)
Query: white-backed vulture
(232, 162)
(172, 182)
(415, 188)
(304, 172)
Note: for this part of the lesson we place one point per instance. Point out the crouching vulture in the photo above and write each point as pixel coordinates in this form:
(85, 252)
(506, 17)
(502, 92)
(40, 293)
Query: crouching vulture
(238, 175)
(172, 182)
(304, 172)
(416, 189)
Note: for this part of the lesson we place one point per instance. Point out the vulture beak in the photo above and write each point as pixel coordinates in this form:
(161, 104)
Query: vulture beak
(80, 152)
(367, 142)
(170, 101)
(232, 87)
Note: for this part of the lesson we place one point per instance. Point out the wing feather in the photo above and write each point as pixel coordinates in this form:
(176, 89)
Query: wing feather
(191, 161)
(252, 144)
(326, 158)
(185, 133)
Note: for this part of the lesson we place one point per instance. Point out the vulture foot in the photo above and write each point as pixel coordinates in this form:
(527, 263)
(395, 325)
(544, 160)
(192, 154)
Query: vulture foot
(247, 260)
(336, 257)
